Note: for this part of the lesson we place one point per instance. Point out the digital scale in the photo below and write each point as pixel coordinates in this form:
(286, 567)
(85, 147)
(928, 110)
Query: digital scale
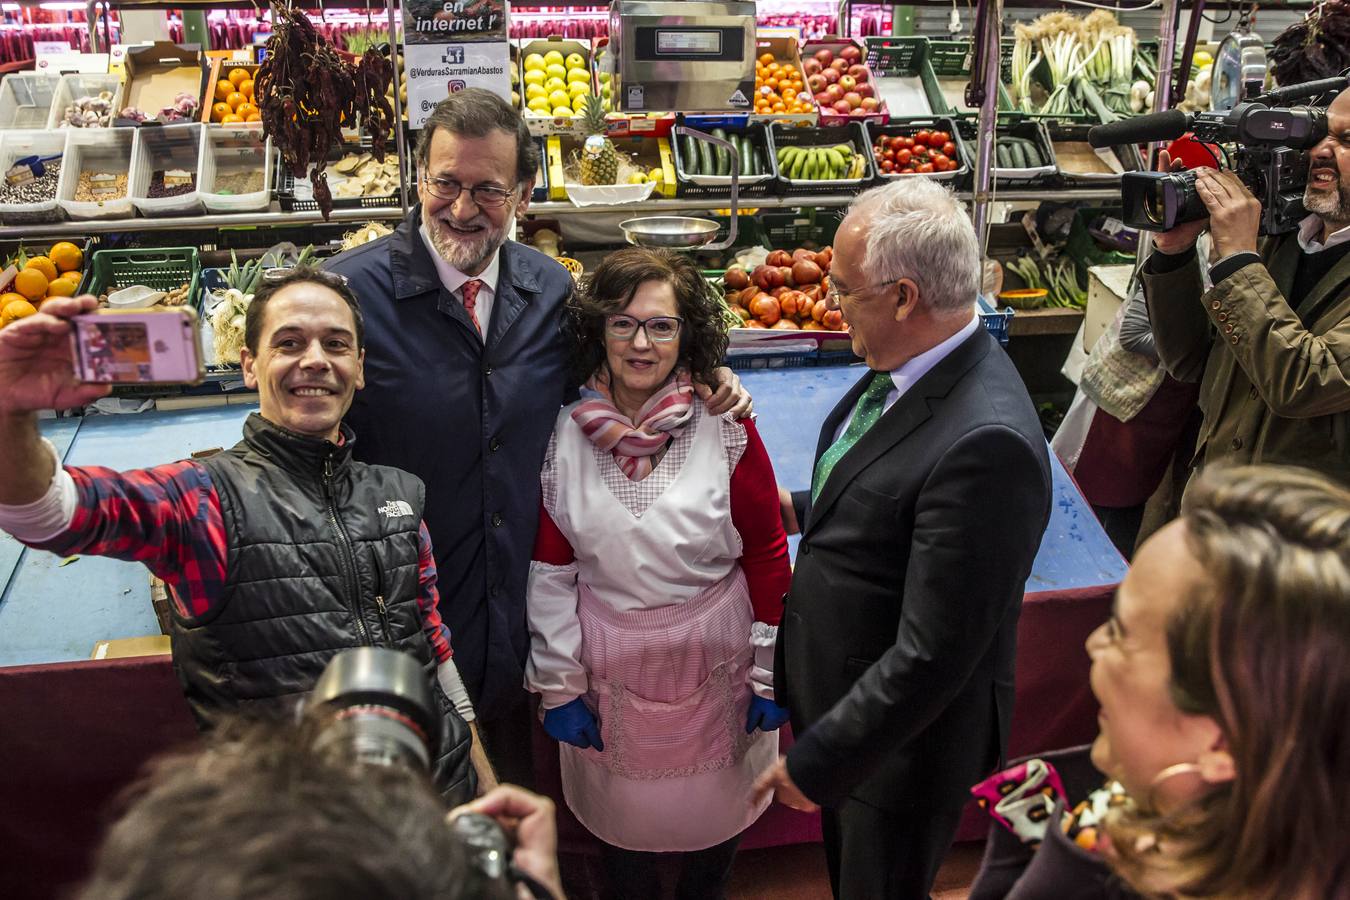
(692, 56)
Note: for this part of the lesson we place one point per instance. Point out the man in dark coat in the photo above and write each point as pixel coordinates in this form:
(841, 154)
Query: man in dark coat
(930, 494)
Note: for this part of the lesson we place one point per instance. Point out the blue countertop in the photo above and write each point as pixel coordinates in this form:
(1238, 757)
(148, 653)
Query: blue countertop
(51, 612)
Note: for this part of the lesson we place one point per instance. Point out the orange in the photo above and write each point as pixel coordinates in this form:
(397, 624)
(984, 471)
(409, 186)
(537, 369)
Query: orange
(43, 265)
(220, 111)
(765, 59)
(246, 88)
(245, 110)
(231, 119)
(16, 309)
(31, 283)
(9, 297)
(236, 100)
(223, 89)
(67, 256)
(254, 117)
(238, 75)
(62, 287)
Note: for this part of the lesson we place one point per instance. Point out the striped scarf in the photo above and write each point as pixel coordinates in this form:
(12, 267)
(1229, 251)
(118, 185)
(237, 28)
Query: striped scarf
(634, 445)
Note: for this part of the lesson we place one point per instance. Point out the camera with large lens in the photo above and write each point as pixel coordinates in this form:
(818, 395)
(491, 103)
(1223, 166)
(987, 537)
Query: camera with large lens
(1265, 140)
(374, 706)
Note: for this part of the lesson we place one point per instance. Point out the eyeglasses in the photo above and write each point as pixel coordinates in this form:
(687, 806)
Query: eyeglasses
(659, 329)
(484, 195)
(833, 294)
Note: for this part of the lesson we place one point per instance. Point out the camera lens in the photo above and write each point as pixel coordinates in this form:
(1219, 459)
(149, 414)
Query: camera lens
(1155, 203)
(376, 704)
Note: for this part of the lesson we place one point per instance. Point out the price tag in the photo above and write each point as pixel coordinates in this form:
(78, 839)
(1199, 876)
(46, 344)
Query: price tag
(177, 178)
(104, 185)
(19, 175)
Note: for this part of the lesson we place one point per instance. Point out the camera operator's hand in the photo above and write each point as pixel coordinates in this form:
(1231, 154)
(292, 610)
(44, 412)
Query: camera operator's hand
(36, 364)
(1234, 214)
(1183, 237)
(529, 820)
(574, 723)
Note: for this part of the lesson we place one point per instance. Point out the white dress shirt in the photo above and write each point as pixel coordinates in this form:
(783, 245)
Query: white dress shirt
(1310, 235)
(454, 279)
(914, 369)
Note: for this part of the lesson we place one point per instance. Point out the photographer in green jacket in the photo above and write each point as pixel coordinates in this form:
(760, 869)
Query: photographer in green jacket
(1270, 341)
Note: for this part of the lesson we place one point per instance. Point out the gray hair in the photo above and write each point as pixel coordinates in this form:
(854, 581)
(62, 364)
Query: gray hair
(917, 229)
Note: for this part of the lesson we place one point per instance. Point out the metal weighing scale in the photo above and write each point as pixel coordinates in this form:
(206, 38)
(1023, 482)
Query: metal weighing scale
(692, 56)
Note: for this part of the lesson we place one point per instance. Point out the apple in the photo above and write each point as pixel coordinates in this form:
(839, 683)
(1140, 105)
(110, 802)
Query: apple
(851, 53)
(853, 99)
(816, 82)
(834, 93)
(859, 72)
(843, 108)
(865, 88)
(825, 56)
(822, 99)
(847, 82)
(841, 65)
(870, 104)
(831, 75)
(811, 66)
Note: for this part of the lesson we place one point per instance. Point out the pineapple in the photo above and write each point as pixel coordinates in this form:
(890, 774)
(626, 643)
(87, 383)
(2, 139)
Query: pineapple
(599, 159)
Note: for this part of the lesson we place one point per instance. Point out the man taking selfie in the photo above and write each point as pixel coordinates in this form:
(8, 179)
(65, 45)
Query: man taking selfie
(1270, 341)
(278, 553)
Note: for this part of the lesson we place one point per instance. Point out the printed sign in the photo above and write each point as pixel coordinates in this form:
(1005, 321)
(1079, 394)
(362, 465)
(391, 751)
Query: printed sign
(435, 71)
(437, 21)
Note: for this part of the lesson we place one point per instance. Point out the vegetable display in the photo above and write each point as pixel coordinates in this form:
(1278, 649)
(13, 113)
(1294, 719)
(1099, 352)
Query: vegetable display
(306, 92)
(1058, 278)
(835, 163)
(705, 158)
(922, 152)
(1019, 153)
(785, 293)
(1317, 47)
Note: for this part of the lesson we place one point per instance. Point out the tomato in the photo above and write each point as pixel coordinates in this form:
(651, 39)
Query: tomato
(949, 149)
(923, 136)
(887, 166)
(907, 143)
(903, 157)
(937, 159)
(938, 138)
(926, 168)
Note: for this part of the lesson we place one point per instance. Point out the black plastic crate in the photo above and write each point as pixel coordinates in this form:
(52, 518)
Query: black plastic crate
(291, 203)
(720, 186)
(825, 136)
(1031, 129)
(905, 57)
(1127, 155)
(790, 230)
(910, 126)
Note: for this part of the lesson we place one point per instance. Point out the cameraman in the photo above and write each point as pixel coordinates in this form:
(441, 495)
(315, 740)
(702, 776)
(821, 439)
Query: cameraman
(266, 811)
(1270, 341)
(279, 552)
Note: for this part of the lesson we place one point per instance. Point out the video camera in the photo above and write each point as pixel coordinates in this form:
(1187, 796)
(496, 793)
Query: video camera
(1271, 141)
(374, 706)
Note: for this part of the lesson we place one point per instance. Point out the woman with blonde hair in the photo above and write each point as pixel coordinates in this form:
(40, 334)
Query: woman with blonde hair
(1224, 682)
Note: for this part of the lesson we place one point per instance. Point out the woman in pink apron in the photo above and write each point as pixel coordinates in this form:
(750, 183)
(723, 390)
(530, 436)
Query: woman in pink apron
(657, 584)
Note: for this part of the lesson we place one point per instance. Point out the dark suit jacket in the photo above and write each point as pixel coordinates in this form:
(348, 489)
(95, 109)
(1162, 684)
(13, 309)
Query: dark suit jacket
(897, 643)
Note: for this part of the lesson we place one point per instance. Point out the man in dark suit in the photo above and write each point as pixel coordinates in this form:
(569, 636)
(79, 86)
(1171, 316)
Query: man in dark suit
(930, 495)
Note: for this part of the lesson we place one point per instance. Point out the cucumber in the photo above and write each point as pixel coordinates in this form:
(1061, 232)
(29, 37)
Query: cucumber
(723, 155)
(760, 168)
(1001, 154)
(747, 155)
(706, 164)
(690, 149)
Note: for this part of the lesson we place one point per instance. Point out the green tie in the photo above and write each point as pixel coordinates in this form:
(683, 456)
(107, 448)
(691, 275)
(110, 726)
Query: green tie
(870, 407)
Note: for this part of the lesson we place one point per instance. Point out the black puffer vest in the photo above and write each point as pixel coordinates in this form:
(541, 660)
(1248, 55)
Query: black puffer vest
(322, 556)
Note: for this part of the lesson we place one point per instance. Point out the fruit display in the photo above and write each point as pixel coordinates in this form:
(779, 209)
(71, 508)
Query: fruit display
(780, 87)
(599, 160)
(840, 83)
(88, 112)
(785, 293)
(1049, 282)
(920, 151)
(56, 273)
(833, 163)
(556, 85)
(182, 109)
(605, 77)
(704, 158)
(233, 102)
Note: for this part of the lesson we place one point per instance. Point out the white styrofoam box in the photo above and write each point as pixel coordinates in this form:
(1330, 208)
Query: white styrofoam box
(15, 145)
(97, 150)
(1108, 289)
(73, 87)
(26, 99)
(177, 146)
(234, 149)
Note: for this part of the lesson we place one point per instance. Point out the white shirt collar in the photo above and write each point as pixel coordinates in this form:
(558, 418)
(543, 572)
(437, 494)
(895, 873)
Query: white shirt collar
(1310, 233)
(914, 369)
(453, 278)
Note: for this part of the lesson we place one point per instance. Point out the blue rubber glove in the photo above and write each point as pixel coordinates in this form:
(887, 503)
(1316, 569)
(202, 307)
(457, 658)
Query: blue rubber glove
(574, 723)
(764, 715)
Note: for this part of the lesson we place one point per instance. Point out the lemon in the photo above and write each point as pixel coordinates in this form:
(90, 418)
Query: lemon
(535, 90)
(576, 89)
(534, 62)
(535, 76)
(553, 57)
(562, 112)
(539, 105)
(575, 61)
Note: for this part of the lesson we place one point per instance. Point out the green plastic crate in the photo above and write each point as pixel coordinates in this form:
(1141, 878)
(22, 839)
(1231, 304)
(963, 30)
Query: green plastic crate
(905, 57)
(161, 268)
(952, 59)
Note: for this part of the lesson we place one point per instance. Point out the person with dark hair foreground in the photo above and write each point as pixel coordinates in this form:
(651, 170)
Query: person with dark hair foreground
(1224, 680)
(262, 812)
(279, 552)
(657, 584)
(468, 369)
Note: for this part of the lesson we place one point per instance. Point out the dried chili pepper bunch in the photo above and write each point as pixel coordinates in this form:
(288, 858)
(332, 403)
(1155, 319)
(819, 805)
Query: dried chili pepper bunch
(1317, 47)
(306, 92)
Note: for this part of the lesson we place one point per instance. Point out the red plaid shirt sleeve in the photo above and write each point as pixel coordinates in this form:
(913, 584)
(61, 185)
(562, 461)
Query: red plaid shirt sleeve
(167, 517)
(428, 598)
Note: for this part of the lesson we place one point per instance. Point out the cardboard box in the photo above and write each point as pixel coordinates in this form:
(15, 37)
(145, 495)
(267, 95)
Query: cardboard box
(652, 153)
(835, 44)
(123, 648)
(1108, 289)
(784, 50)
(546, 125)
(219, 70)
(157, 73)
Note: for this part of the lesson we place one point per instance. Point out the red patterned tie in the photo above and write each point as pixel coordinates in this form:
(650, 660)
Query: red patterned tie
(470, 291)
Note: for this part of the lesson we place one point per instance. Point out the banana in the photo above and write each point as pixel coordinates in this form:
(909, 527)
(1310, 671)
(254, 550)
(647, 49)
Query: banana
(845, 150)
(796, 162)
(809, 168)
(834, 160)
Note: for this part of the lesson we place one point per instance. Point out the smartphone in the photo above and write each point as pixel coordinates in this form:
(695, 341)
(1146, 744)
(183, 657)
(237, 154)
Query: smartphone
(138, 346)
